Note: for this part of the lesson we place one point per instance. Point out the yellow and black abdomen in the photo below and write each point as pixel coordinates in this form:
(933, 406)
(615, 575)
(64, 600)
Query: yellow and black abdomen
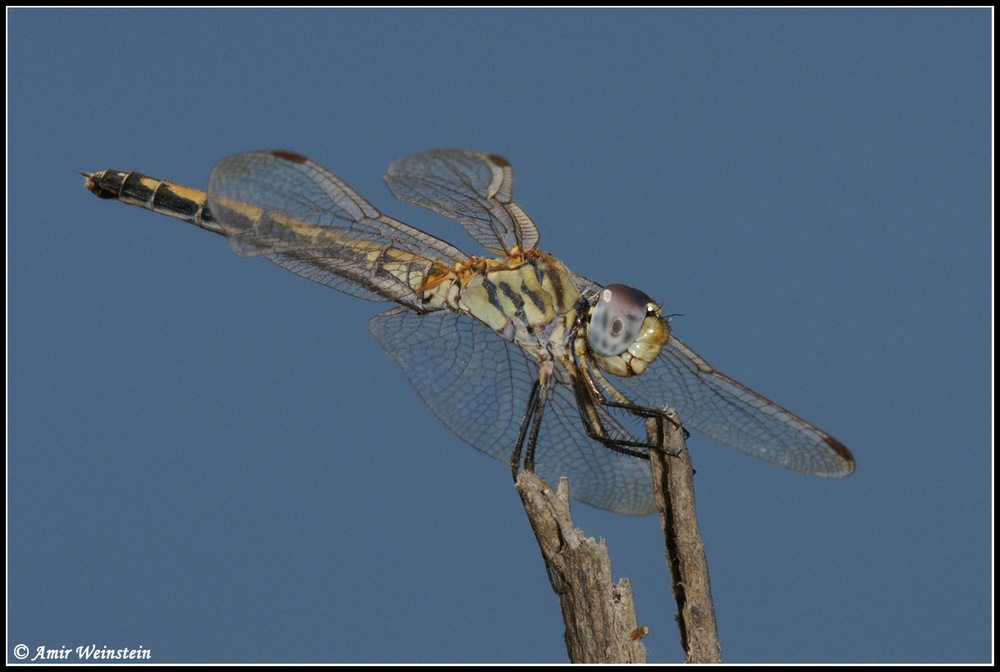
(161, 196)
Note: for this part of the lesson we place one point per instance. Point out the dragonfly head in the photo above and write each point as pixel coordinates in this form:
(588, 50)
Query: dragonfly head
(626, 331)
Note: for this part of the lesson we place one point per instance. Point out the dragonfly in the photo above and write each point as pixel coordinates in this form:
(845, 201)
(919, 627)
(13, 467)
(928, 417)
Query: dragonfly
(516, 354)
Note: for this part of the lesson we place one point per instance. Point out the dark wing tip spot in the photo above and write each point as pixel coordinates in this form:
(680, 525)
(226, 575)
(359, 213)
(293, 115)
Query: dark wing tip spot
(289, 156)
(499, 160)
(844, 453)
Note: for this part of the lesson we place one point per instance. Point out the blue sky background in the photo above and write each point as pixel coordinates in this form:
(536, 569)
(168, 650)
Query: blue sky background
(210, 458)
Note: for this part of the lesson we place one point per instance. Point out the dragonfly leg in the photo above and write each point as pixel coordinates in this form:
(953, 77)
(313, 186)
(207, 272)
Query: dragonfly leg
(588, 394)
(528, 423)
(645, 412)
(536, 424)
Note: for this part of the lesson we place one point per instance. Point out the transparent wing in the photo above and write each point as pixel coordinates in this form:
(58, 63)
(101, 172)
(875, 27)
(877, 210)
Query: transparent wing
(718, 406)
(306, 219)
(597, 475)
(474, 189)
(587, 287)
(478, 385)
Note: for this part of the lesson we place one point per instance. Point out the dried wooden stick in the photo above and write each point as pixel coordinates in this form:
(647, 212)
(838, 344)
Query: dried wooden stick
(599, 615)
(673, 488)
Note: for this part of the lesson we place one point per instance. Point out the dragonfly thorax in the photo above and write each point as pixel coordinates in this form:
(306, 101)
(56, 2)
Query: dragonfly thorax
(530, 301)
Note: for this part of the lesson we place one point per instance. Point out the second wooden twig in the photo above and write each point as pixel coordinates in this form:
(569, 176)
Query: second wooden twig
(673, 487)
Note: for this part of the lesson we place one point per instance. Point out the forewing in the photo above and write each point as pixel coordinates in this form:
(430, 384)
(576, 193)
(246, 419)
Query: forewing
(719, 407)
(474, 189)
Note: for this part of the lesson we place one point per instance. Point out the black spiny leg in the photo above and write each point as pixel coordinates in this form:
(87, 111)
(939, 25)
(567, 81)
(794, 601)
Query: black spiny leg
(588, 395)
(528, 422)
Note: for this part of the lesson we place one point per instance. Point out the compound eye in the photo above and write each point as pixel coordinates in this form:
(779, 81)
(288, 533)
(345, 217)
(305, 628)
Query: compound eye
(616, 320)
